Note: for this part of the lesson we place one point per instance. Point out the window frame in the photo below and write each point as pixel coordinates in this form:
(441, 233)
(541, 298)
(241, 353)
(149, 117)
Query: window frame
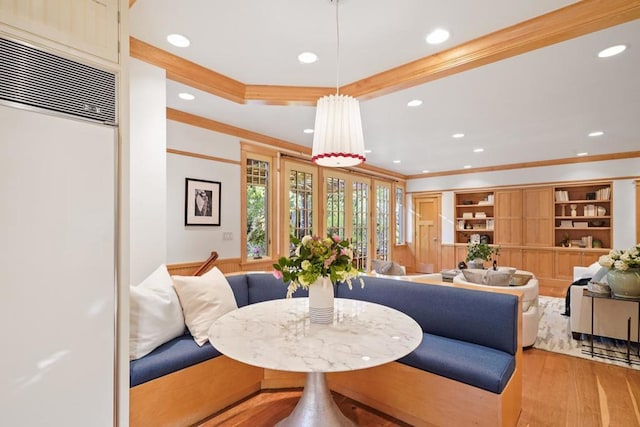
(255, 153)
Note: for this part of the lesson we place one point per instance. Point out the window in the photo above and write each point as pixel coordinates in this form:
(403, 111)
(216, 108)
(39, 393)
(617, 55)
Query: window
(336, 209)
(300, 185)
(258, 201)
(360, 228)
(400, 216)
(383, 220)
(347, 212)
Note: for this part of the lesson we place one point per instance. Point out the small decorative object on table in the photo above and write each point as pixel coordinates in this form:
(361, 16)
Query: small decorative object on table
(598, 288)
(624, 272)
(317, 264)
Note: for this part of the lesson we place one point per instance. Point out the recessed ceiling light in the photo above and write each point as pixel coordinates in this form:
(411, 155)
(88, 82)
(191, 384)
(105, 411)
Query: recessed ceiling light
(584, 153)
(467, 166)
(414, 103)
(178, 40)
(478, 150)
(597, 133)
(367, 151)
(307, 57)
(457, 135)
(611, 51)
(425, 171)
(396, 161)
(308, 131)
(437, 36)
(186, 96)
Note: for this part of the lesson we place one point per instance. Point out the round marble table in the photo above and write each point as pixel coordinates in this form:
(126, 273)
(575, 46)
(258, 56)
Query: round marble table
(278, 335)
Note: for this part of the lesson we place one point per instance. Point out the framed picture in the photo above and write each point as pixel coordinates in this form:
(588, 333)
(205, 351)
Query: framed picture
(202, 202)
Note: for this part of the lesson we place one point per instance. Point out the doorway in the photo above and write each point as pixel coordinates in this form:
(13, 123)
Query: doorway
(427, 233)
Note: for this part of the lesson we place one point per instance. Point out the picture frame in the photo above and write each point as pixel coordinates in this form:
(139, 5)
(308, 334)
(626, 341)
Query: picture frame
(202, 202)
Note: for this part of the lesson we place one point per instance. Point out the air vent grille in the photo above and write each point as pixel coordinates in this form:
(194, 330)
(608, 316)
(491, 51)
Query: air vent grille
(36, 78)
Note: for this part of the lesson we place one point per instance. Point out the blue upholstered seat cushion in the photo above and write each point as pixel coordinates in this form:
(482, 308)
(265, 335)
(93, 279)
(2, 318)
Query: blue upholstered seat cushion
(240, 288)
(171, 356)
(485, 318)
(482, 367)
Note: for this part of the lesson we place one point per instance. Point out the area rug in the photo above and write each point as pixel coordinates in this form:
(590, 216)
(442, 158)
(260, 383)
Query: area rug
(554, 334)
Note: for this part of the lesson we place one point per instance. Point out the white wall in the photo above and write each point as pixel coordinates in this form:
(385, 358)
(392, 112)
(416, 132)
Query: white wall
(624, 207)
(148, 192)
(624, 227)
(193, 243)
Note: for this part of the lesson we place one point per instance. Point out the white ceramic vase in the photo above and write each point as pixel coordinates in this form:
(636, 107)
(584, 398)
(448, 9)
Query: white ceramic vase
(321, 301)
(624, 284)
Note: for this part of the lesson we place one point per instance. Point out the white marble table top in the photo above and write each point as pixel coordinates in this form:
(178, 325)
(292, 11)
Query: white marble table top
(277, 334)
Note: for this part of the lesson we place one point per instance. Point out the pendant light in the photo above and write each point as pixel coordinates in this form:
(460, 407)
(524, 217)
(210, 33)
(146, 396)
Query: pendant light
(338, 140)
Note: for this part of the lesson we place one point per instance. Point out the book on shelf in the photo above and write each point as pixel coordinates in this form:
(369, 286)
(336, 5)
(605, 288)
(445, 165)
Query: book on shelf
(562, 196)
(580, 224)
(567, 223)
(603, 193)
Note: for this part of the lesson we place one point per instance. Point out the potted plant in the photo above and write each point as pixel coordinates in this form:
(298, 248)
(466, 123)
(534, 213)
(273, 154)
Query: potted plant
(477, 253)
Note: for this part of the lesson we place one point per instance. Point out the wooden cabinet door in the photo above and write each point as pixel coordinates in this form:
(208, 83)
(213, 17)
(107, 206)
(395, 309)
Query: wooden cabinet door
(510, 257)
(565, 261)
(539, 262)
(508, 217)
(461, 254)
(589, 257)
(89, 26)
(538, 216)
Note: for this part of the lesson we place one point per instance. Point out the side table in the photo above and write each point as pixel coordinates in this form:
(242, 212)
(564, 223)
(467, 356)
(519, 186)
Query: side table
(631, 359)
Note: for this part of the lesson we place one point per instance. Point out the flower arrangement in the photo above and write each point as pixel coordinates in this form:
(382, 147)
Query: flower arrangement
(621, 260)
(481, 251)
(315, 257)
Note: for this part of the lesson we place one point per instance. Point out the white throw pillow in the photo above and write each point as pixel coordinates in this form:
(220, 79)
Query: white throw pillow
(204, 299)
(155, 315)
(591, 271)
(474, 275)
(497, 278)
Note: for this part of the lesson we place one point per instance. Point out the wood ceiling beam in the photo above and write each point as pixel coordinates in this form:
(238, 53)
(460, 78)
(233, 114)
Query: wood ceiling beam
(187, 72)
(575, 20)
(286, 95)
(572, 21)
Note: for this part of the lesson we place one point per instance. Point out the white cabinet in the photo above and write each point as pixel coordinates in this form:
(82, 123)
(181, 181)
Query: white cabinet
(90, 26)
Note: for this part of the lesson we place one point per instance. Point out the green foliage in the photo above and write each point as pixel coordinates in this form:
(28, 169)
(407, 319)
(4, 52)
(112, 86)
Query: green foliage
(481, 251)
(313, 258)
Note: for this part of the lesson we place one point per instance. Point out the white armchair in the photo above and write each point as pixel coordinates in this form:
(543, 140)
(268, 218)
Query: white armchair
(609, 317)
(530, 310)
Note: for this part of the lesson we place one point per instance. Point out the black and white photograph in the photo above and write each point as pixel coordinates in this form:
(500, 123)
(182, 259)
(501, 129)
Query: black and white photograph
(202, 202)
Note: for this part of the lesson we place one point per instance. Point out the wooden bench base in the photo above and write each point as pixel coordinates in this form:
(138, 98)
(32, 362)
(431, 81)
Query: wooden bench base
(414, 396)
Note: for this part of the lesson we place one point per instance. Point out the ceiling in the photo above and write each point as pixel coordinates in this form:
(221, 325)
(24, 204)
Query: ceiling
(536, 106)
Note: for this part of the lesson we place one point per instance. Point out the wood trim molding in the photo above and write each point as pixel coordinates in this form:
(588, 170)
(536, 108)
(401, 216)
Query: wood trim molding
(202, 156)
(572, 21)
(187, 72)
(193, 120)
(522, 165)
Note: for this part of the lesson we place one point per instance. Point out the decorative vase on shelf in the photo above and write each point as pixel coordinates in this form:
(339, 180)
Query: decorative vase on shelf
(321, 301)
(624, 283)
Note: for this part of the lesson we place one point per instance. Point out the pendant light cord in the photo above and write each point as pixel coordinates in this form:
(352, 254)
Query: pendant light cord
(337, 50)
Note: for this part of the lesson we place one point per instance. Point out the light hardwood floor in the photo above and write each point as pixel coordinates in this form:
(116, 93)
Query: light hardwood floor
(558, 390)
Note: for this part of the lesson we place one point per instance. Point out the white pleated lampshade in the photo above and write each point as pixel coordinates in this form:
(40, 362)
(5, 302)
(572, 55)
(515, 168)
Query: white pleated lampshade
(337, 138)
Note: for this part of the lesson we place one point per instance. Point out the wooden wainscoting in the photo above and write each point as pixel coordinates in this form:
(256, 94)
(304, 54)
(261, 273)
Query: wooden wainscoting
(226, 265)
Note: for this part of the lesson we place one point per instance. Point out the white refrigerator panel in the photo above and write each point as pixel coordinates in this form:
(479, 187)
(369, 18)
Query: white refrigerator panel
(57, 271)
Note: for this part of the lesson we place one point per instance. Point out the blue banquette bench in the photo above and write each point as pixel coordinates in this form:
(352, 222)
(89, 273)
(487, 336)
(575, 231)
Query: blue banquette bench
(466, 371)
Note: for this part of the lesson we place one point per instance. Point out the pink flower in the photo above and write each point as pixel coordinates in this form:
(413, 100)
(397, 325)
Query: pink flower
(277, 274)
(336, 238)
